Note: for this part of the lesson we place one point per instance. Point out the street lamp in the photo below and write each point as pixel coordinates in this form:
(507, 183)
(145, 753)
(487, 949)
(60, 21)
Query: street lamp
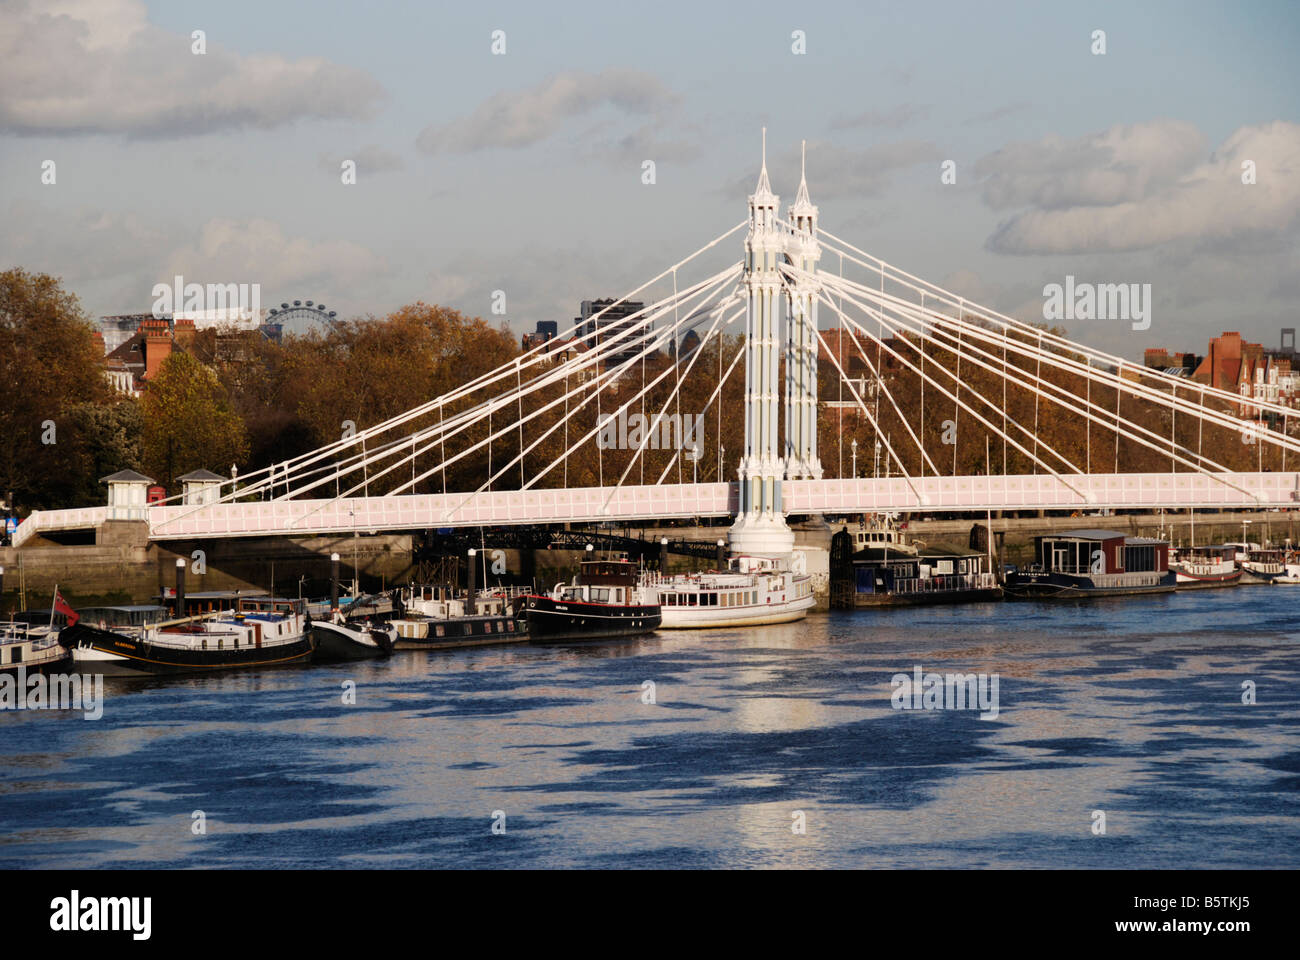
(875, 471)
(722, 460)
(854, 447)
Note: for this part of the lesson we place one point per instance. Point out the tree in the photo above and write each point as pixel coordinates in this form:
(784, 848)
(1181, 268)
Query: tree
(50, 362)
(189, 422)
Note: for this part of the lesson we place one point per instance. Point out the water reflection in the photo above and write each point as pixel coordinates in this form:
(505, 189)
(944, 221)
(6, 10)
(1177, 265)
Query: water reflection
(1131, 707)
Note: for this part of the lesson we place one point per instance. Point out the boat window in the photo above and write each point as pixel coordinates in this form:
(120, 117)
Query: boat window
(600, 595)
(441, 630)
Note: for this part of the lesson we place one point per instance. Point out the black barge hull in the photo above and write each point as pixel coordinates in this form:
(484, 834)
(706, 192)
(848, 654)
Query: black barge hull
(554, 621)
(134, 657)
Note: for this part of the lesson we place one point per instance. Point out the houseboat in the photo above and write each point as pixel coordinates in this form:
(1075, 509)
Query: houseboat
(433, 617)
(751, 591)
(604, 600)
(1197, 568)
(34, 648)
(1084, 564)
(873, 567)
(259, 631)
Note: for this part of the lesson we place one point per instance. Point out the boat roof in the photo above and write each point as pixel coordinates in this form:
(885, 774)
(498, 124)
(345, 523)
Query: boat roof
(1087, 534)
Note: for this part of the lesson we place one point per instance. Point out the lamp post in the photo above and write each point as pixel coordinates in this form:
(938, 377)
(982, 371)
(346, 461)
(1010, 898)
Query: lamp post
(722, 460)
(1245, 543)
(854, 447)
(875, 471)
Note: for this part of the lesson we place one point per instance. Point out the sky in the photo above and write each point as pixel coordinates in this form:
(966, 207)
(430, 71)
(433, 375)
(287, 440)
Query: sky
(523, 171)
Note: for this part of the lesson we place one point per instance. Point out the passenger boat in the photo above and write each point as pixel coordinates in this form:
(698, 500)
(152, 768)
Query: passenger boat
(752, 591)
(1197, 568)
(1086, 564)
(1263, 566)
(339, 640)
(433, 617)
(604, 600)
(259, 631)
(873, 567)
(31, 647)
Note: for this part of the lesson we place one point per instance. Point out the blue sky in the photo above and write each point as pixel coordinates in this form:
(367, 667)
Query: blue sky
(522, 172)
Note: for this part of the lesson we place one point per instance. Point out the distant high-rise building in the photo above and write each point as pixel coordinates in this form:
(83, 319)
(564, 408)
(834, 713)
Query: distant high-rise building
(601, 320)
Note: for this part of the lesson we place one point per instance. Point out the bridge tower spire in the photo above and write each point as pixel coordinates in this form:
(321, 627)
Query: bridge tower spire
(760, 526)
(803, 251)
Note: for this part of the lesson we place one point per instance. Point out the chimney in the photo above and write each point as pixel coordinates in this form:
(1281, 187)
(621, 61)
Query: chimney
(157, 345)
(184, 333)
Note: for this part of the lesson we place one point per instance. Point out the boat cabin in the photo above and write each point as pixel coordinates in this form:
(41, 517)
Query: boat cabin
(1087, 552)
(1208, 553)
(621, 573)
(206, 601)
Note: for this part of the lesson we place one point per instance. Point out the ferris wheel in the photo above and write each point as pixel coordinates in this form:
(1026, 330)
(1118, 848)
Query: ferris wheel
(300, 314)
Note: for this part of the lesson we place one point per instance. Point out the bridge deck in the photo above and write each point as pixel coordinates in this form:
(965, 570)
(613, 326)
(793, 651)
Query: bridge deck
(632, 503)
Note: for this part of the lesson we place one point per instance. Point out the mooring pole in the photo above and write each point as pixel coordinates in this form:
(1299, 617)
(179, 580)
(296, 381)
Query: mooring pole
(471, 589)
(334, 584)
(180, 587)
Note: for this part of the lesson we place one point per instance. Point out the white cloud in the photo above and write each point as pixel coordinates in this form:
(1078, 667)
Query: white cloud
(1135, 198)
(259, 251)
(1122, 163)
(99, 66)
(514, 118)
(835, 171)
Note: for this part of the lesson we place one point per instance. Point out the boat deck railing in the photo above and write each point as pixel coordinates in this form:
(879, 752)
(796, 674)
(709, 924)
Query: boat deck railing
(945, 582)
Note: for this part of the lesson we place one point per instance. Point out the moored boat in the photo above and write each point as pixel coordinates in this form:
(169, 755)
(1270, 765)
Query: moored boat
(260, 631)
(873, 567)
(603, 601)
(32, 647)
(750, 592)
(433, 617)
(1088, 564)
(1197, 568)
(338, 640)
(1263, 566)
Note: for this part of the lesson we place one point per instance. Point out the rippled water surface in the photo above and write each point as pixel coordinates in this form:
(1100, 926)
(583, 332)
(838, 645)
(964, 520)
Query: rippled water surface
(1130, 707)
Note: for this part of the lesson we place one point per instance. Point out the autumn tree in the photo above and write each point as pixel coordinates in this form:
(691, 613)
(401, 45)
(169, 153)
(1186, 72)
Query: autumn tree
(189, 422)
(50, 362)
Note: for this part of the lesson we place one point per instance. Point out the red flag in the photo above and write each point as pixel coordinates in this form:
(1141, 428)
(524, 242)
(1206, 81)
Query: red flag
(61, 606)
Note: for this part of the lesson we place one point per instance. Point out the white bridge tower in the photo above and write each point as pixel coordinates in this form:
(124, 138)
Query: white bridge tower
(760, 527)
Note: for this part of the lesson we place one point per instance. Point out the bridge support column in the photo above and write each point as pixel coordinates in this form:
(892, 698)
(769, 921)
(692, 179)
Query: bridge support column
(760, 528)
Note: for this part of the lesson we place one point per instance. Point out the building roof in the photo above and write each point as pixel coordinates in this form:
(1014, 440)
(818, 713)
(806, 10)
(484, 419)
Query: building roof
(126, 476)
(201, 474)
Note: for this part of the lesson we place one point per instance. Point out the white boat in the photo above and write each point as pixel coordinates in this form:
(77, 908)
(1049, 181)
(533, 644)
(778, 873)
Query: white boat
(1292, 574)
(33, 647)
(750, 592)
(1208, 566)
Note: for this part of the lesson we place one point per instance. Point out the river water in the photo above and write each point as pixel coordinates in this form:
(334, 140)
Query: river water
(1129, 710)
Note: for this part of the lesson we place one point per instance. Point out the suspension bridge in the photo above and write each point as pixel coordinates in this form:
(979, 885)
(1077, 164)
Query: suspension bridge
(983, 367)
